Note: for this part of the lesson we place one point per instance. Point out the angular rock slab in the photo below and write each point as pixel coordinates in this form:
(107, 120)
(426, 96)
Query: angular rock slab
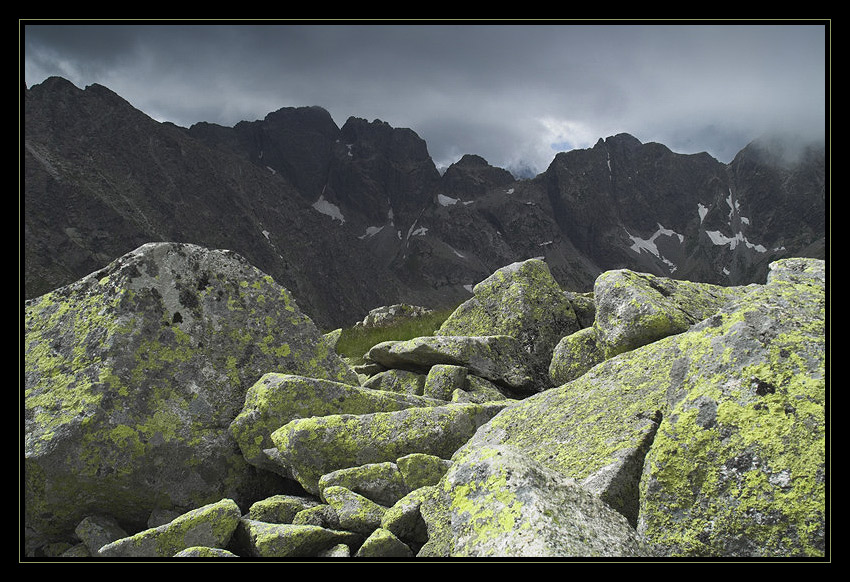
(574, 355)
(313, 447)
(382, 483)
(404, 518)
(382, 543)
(498, 358)
(504, 504)
(279, 508)
(210, 526)
(711, 441)
(737, 468)
(634, 309)
(521, 300)
(596, 428)
(399, 381)
(355, 512)
(133, 374)
(275, 399)
(285, 540)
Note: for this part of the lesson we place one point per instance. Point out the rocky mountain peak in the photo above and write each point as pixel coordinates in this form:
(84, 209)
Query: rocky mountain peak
(622, 140)
(380, 138)
(471, 177)
(318, 206)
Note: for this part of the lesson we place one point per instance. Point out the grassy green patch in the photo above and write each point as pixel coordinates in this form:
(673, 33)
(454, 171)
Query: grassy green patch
(356, 341)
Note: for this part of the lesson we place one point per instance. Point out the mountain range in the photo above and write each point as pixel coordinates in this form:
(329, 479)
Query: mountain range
(350, 218)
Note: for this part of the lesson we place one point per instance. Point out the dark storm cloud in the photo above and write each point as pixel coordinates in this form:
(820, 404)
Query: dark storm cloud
(514, 94)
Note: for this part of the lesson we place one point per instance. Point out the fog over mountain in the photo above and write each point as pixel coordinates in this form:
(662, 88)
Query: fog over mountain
(516, 94)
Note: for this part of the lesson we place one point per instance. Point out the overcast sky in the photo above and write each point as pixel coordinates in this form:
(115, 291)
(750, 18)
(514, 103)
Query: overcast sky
(515, 94)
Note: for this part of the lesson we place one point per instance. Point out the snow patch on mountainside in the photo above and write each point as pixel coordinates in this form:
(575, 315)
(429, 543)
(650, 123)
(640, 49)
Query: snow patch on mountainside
(445, 200)
(640, 244)
(329, 209)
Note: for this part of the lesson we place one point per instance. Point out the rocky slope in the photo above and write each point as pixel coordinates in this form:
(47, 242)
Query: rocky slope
(179, 403)
(357, 217)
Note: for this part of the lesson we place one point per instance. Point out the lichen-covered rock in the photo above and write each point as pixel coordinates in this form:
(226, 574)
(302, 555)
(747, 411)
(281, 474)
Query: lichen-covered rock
(443, 379)
(635, 309)
(275, 399)
(798, 270)
(381, 482)
(521, 300)
(388, 315)
(322, 515)
(95, 531)
(420, 470)
(212, 525)
(133, 374)
(338, 551)
(382, 543)
(399, 381)
(332, 338)
(315, 446)
(76, 551)
(738, 465)
(434, 509)
(498, 358)
(286, 540)
(711, 441)
(584, 306)
(479, 390)
(502, 503)
(404, 518)
(574, 355)
(204, 552)
(594, 428)
(356, 513)
(279, 508)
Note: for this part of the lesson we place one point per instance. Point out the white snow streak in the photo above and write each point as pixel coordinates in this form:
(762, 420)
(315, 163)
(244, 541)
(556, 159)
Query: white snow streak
(445, 200)
(702, 210)
(371, 231)
(640, 244)
(329, 209)
(720, 239)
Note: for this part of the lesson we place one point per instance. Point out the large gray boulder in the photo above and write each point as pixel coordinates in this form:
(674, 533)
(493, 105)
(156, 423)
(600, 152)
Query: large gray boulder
(738, 466)
(498, 358)
(634, 309)
(502, 503)
(275, 399)
(313, 447)
(521, 300)
(210, 526)
(258, 539)
(134, 373)
(710, 442)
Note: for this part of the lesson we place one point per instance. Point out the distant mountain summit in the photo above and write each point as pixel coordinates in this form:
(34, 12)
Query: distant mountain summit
(356, 217)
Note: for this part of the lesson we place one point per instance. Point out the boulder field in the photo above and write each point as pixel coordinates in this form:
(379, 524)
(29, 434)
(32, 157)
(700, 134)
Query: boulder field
(177, 403)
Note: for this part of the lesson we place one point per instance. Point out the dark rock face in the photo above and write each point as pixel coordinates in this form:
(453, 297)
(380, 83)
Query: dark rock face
(102, 179)
(356, 217)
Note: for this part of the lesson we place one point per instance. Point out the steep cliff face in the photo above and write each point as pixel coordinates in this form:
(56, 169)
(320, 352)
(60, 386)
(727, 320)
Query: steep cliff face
(102, 178)
(356, 217)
